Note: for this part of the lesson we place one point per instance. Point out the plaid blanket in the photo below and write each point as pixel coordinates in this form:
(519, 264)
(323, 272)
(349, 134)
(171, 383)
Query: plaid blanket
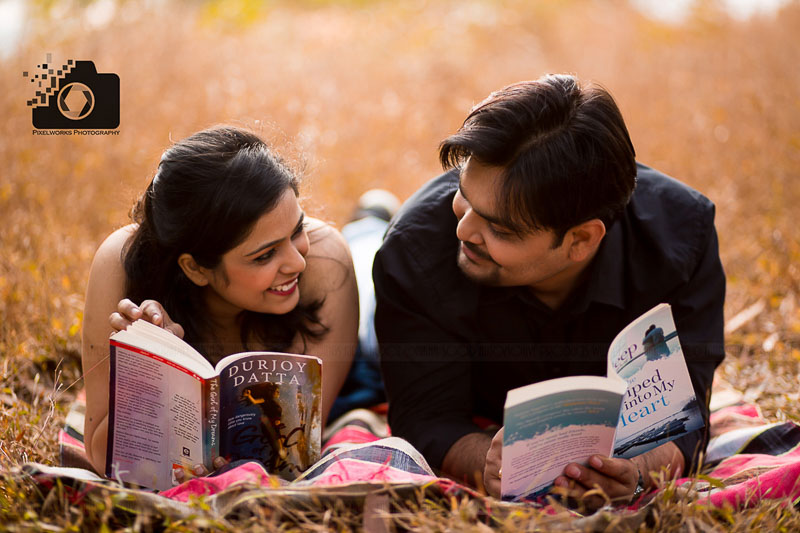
(748, 460)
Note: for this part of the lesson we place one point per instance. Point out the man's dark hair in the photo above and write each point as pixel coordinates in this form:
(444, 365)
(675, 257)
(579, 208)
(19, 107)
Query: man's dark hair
(565, 150)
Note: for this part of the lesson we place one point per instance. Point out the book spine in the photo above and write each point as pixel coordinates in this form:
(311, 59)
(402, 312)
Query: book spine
(112, 390)
(211, 421)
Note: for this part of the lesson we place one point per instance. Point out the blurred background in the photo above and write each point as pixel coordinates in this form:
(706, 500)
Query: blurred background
(357, 94)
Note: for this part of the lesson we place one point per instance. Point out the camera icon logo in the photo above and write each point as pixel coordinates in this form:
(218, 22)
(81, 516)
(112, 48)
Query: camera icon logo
(76, 101)
(75, 96)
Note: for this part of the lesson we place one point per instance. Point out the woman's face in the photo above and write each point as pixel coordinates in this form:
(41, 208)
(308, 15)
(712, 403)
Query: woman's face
(261, 273)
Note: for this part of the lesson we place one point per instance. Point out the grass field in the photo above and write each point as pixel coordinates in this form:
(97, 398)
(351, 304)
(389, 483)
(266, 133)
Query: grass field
(358, 94)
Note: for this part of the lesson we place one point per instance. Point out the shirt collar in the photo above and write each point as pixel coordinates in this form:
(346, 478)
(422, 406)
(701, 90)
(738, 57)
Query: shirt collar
(606, 282)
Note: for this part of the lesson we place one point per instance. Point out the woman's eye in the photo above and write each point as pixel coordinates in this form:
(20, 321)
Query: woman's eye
(299, 230)
(266, 256)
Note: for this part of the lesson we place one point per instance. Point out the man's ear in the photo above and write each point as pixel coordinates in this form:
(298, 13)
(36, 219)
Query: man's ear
(585, 239)
(198, 275)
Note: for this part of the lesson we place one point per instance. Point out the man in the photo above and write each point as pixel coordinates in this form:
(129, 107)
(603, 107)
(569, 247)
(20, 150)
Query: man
(523, 262)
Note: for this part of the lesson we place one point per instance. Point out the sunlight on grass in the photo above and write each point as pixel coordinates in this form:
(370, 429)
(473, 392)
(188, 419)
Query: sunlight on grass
(358, 95)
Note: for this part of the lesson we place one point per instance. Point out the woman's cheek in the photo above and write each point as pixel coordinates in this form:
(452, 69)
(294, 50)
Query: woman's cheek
(268, 276)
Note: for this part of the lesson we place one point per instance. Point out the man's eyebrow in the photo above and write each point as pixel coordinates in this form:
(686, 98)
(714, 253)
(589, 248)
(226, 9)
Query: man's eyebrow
(276, 241)
(492, 219)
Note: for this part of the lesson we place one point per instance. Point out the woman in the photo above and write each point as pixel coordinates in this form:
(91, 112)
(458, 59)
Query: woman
(222, 255)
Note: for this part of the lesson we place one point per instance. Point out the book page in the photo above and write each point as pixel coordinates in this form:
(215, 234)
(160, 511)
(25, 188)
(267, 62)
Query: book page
(660, 403)
(154, 339)
(546, 432)
(143, 328)
(155, 418)
(271, 410)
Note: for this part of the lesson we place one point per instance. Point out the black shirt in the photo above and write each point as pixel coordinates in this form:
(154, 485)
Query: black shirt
(451, 349)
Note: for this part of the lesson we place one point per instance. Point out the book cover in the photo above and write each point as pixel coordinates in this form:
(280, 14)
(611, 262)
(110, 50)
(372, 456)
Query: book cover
(553, 423)
(646, 400)
(271, 411)
(660, 404)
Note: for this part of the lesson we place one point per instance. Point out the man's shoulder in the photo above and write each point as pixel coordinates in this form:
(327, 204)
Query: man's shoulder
(424, 227)
(419, 251)
(429, 207)
(654, 188)
(669, 219)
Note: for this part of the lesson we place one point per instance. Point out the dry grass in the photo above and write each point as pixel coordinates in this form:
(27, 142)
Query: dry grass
(360, 95)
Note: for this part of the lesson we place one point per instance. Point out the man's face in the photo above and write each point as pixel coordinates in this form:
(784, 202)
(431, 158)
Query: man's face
(490, 253)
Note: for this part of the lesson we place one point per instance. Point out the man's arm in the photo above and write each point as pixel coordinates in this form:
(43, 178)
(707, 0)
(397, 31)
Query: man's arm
(466, 459)
(665, 461)
(697, 307)
(426, 369)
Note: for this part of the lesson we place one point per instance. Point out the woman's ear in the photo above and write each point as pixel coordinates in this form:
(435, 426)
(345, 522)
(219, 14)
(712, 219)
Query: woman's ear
(586, 238)
(197, 274)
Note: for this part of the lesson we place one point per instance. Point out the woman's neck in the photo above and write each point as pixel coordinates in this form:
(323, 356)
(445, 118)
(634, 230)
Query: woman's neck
(221, 312)
(224, 321)
(224, 330)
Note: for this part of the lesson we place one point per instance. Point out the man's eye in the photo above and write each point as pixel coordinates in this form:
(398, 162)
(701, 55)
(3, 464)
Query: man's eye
(500, 233)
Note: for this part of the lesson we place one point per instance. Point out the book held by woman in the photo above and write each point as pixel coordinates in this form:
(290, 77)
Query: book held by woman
(169, 408)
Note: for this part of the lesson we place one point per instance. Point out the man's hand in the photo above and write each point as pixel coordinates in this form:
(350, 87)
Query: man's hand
(494, 462)
(616, 478)
(150, 310)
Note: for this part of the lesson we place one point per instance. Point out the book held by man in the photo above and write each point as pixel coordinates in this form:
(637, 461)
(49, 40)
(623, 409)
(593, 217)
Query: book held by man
(646, 400)
(169, 408)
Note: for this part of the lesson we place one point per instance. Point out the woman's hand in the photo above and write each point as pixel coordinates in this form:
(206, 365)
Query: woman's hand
(199, 470)
(152, 311)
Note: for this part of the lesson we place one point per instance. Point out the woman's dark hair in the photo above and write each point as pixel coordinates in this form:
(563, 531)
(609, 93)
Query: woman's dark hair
(565, 150)
(208, 192)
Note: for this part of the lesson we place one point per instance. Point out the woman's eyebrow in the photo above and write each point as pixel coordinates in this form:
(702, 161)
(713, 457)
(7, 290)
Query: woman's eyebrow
(276, 241)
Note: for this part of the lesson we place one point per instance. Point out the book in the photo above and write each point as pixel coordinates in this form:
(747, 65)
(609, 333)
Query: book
(646, 400)
(169, 408)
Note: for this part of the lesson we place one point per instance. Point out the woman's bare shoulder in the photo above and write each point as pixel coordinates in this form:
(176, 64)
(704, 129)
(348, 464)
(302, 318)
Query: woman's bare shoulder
(326, 241)
(111, 247)
(329, 265)
(107, 274)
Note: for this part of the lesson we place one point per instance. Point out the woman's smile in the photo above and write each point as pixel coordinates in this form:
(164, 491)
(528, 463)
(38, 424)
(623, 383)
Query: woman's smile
(286, 289)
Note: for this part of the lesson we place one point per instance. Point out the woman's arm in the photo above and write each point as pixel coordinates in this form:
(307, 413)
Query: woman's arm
(330, 276)
(105, 289)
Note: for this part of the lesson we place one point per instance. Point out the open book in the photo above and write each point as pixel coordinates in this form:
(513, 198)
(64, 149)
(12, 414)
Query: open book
(169, 408)
(646, 400)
